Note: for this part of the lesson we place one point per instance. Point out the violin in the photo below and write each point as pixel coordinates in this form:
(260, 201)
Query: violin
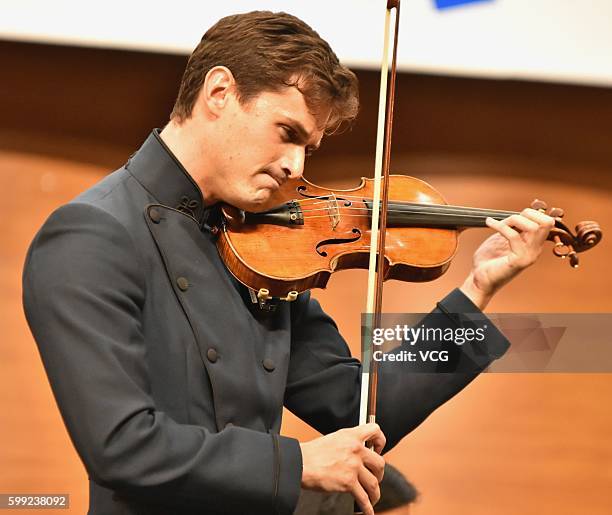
(315, 231)
(397, 227)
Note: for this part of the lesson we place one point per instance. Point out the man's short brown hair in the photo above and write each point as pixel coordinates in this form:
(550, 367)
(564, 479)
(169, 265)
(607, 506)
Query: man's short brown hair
(266, 51)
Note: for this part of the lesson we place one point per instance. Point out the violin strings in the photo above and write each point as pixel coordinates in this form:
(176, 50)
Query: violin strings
(325, 199)
(314, 203)
(417, 210)
(413, 211)
(438, 215)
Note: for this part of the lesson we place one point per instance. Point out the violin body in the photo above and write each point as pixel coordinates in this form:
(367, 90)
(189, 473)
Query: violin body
(312, 232)
(283, 257)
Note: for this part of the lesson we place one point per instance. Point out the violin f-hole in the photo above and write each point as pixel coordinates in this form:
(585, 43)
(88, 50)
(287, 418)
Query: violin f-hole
(338, 241)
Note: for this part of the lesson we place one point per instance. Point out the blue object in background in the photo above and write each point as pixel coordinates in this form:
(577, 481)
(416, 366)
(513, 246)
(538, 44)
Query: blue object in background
(445, 4)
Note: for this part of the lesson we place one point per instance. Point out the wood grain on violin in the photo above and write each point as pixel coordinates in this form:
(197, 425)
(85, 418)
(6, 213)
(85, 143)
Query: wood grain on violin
(313, 231)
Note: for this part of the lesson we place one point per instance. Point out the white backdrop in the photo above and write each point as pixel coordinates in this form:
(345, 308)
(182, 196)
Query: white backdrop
(555, 40)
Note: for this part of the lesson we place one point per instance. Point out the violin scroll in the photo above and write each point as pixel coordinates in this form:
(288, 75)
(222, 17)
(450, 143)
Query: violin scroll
(568, 245)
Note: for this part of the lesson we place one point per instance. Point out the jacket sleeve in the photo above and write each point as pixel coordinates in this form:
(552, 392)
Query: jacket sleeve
(324, 381)
(83, 294)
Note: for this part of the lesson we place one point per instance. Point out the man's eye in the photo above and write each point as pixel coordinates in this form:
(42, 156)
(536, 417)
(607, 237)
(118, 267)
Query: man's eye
(288, 133)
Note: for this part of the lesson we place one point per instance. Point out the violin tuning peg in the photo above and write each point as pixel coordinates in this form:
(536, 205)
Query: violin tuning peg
(556, 212)
(573, 257)
(573, 260)
(539, 205)
(558, 242)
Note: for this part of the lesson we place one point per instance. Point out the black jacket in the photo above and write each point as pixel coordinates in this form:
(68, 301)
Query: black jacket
(170, 382)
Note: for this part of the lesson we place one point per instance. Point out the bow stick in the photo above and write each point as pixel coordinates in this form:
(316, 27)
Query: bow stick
(376, 269)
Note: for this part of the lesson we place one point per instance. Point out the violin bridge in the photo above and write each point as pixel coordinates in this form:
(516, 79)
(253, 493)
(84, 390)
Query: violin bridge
(333, 210)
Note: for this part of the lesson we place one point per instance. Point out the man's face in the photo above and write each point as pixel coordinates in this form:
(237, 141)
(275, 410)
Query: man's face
(262, 144)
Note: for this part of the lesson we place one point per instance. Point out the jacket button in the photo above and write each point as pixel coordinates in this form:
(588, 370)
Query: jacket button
(269, 365)
(154, 215)
(182, 283)
(212, 355)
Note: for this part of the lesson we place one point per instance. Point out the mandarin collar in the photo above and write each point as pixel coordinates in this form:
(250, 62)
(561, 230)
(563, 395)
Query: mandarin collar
(163, 176)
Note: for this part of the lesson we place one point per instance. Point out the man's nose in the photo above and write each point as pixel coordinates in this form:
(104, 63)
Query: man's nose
(293, 162)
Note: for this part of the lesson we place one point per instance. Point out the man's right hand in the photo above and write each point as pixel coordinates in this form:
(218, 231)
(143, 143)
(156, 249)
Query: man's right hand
(340, 462)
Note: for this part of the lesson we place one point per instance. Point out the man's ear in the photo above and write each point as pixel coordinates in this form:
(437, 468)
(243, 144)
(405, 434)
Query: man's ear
(219, 85)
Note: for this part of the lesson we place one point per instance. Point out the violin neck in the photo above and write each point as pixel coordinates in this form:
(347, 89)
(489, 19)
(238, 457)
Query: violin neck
(408, 214)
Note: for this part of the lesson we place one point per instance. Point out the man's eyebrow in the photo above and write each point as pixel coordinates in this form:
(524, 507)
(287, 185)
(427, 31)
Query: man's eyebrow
(302, 133)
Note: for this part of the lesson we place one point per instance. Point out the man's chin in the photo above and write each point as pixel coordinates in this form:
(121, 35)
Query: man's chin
(262, 199)
(265, 199)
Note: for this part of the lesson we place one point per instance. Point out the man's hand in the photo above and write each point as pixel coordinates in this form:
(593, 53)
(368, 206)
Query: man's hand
(516, 245)
(340, 462)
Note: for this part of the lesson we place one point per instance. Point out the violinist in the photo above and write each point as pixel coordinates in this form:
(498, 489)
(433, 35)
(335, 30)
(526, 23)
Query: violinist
(170, 381)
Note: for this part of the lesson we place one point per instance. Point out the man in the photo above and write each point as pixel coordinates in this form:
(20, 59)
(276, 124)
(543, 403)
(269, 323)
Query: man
(170, 381)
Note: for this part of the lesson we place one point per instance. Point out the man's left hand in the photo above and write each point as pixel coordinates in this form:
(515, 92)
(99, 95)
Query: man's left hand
(516, 245)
